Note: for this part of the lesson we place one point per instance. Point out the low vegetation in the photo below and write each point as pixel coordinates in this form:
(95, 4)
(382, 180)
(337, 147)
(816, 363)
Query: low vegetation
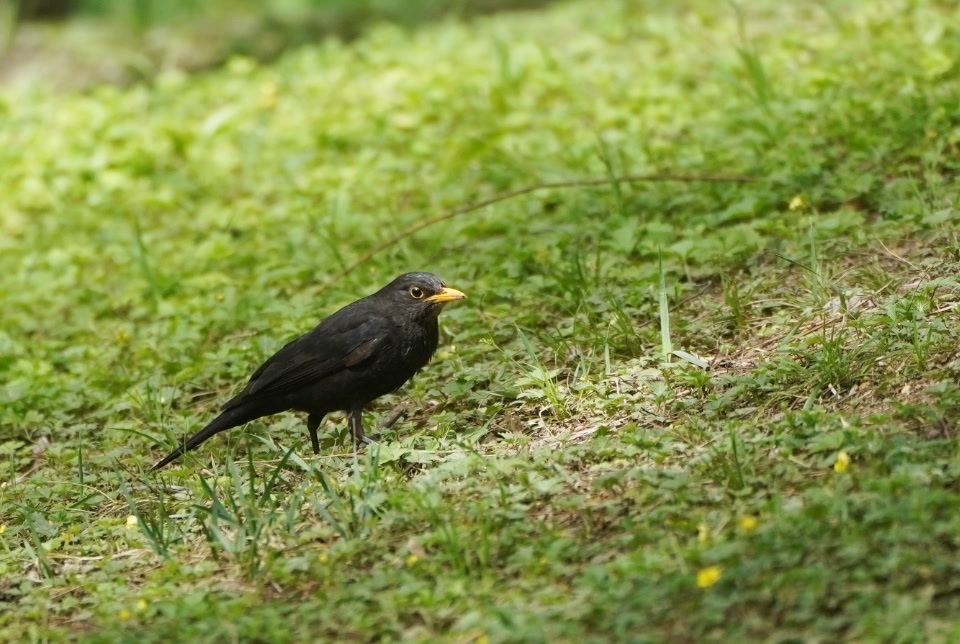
(670, 410)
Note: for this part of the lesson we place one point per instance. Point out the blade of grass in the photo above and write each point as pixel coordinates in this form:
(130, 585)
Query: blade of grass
(666, 346)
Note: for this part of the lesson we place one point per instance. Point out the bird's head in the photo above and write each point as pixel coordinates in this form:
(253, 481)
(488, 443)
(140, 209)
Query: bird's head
(423, 294)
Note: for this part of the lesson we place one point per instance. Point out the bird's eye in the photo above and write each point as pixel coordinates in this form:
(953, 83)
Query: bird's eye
(416, 292)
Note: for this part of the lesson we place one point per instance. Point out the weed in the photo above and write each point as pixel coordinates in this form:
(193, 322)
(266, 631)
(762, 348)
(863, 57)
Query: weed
(665, 403)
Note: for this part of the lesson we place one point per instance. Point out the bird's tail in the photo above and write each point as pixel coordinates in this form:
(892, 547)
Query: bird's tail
(226, 420)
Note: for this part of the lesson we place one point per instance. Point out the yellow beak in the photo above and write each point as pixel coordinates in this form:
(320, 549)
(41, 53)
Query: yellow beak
(446, 295)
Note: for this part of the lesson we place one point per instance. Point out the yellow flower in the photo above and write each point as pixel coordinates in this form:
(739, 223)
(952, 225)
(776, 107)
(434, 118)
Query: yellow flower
(131, 521)
(141, 604)
(796, 203)
(3, 528)
(748, 523)
(708, 576)
(124, 614)
(411, 560)
(703, 533)
(324, 557)
(842, 462)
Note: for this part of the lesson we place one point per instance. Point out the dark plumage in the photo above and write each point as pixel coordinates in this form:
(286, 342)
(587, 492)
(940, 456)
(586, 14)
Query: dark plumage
(361, 352)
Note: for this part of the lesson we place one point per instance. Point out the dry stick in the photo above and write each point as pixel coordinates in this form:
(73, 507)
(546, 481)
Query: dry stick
(510, 194)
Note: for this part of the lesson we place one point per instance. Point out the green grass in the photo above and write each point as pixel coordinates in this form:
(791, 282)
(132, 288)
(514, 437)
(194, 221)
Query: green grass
(123, 42)
(557, 478)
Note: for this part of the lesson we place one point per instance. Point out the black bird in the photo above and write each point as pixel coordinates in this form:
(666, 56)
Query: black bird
(361, 352)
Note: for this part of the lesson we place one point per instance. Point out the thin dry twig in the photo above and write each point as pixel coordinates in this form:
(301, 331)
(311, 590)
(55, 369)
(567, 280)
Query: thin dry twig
(398, 412)
(510, 194)
(897, 257)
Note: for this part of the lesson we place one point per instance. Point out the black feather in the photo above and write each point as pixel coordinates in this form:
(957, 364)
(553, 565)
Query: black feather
(363, 351)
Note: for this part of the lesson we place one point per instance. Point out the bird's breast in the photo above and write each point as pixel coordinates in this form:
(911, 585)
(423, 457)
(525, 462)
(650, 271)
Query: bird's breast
(389, 369)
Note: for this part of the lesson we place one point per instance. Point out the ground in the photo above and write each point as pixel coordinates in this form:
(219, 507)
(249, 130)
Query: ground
(672, 408)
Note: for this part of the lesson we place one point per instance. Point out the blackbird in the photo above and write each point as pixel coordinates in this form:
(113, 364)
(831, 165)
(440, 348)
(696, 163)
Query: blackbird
(361, 352)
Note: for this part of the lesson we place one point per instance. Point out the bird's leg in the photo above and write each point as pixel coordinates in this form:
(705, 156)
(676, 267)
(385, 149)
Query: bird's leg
(355, 421)
(313, 422)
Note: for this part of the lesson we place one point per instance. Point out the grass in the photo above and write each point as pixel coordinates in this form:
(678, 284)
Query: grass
(556, 477)
(77, 44)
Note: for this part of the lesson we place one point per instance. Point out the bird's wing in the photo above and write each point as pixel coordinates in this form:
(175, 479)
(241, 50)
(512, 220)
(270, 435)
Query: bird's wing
(314, 356)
